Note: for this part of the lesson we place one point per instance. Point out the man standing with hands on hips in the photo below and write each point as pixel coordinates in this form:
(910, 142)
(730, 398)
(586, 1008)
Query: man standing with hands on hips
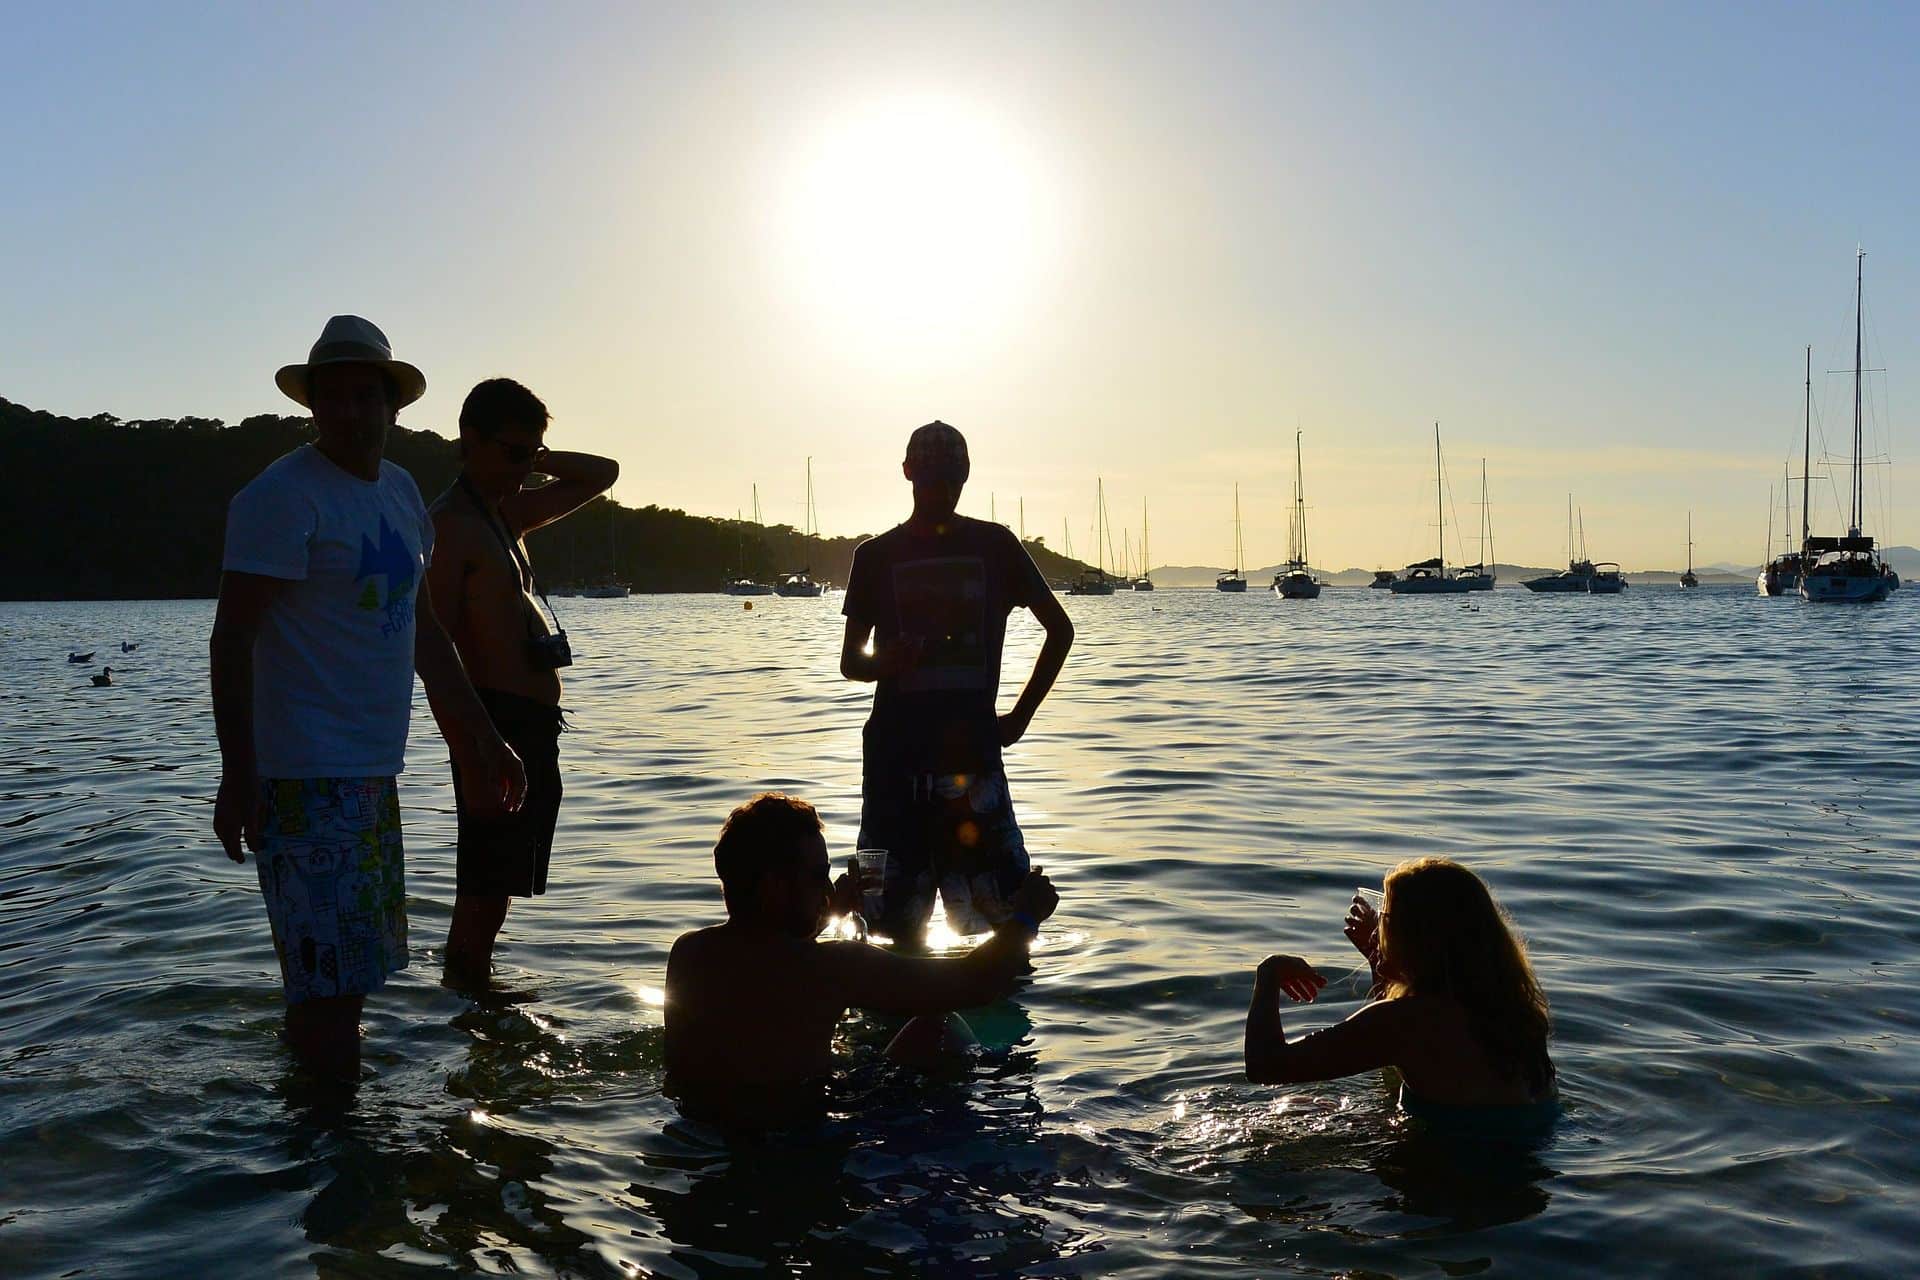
(933, 594)
(483, 586)
(320, 628)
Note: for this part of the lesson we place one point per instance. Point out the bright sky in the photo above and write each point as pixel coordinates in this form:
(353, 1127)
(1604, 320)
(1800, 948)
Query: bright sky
(1143, 244)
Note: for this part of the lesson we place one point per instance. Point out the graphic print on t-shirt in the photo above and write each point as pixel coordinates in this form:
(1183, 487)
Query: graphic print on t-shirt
(943, 602)
(394, 562)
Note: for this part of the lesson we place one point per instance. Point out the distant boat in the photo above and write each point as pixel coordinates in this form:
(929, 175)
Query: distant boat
(744, 586)
(1297, 582)
(1580, 571)
(1233, 579)
(1096, 581)
(1432, 577)
(800, 585)
(1480, 577)
(609, 589)
(1382, 579)
(1849, 569)
(1143, 582)
(1607, 580)
(1689, 578)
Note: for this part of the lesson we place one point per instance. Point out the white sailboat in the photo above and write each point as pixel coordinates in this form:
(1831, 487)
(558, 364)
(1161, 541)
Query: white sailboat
(1095, 581)
(1144, 582)
(800, 584)
(611, 588)
(1849, 569)
(742, 583)
(1297, 582)
(1233, 579)
(1480, 577)
(1432, 577)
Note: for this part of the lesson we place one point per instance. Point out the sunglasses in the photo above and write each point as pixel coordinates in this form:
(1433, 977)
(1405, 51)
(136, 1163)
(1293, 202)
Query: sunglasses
(518, 453)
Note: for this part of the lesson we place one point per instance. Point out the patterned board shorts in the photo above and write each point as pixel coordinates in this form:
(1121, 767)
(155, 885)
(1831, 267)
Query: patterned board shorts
(334, 880)
(948, 834)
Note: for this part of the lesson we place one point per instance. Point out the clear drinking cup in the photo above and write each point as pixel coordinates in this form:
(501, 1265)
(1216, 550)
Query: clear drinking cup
(870, 874)
(1372, 897)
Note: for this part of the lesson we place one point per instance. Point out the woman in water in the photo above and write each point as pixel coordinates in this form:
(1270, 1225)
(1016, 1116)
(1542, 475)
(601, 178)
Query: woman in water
(1456, 1008)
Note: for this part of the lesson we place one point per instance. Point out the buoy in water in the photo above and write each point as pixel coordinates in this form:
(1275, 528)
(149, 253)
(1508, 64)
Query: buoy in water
(747, 605)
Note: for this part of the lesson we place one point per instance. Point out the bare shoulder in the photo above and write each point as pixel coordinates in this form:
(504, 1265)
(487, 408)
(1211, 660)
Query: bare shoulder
(453, 525)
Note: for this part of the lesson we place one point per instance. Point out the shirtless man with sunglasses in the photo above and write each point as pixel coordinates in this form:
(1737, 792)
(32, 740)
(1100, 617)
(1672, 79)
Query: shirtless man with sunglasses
(484, 588)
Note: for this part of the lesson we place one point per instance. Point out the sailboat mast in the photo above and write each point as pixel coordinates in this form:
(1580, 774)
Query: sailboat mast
(1238, 551)
(1300, 501)
(1859, 258)
(813, 518)
(1146, 561)
(1486, 507)
(1689, 542)
(1806, 457)
(1439, 502)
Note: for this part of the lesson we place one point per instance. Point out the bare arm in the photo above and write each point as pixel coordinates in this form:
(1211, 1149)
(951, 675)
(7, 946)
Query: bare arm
(244, 600)
(447, 570)
(1364, 1042)
(875, 978)
(1046, 668)
(884, 981)
(478, 750)
(857, 664)
(578, 478)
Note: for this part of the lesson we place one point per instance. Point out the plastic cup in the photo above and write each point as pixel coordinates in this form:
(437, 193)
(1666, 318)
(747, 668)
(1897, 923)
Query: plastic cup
(870, 873)
(1372, 897)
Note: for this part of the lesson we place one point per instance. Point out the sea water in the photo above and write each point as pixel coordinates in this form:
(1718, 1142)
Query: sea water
(1699, 807)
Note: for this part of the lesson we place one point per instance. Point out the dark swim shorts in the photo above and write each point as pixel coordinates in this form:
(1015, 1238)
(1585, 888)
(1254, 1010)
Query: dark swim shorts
(953, 835)
(505, 855)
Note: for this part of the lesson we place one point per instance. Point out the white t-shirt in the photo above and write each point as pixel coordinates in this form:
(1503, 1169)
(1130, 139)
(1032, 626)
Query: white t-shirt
(333, 665)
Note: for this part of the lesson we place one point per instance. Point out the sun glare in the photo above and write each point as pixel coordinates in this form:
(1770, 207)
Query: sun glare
(914, 218)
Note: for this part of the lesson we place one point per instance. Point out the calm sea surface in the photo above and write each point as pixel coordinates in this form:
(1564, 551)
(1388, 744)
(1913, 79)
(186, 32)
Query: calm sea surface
(1703, 810)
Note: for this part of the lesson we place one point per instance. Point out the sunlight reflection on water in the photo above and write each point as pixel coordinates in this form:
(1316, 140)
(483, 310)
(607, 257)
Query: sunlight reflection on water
(1686, 837)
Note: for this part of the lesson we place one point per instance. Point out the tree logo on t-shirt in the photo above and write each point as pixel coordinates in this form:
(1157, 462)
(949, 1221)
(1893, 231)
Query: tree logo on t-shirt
(394, 561)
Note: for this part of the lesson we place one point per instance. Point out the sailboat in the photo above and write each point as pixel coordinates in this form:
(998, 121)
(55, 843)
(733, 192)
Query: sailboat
(1298, 582)
(1480, 577)
(1849, 569)
(1689, 578)
(1233, 579)
(609, 589)
(1095, 581)
(1781, 574)
(1144, 582)
(800, 584)
(742, 583)
(1432, 577)
(1579, 572)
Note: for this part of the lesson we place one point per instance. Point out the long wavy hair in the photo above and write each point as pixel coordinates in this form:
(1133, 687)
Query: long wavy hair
(1442, 934)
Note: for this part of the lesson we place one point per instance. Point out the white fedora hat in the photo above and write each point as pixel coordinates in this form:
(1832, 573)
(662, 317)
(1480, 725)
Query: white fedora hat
(351, 340)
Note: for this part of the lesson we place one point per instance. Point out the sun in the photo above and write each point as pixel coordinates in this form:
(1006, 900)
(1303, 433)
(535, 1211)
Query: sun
(915, 218)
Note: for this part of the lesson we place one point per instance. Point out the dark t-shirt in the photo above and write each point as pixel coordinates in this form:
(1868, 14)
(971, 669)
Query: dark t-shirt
(953, 590)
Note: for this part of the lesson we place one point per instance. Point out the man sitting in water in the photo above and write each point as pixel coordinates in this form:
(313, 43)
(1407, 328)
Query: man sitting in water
(752, 1003)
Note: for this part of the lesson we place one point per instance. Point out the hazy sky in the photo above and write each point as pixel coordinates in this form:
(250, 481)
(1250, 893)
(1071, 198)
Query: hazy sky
(1143, 243)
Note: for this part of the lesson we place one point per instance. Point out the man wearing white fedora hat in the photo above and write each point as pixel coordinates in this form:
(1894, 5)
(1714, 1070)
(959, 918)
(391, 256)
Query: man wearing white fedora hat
(320, 628)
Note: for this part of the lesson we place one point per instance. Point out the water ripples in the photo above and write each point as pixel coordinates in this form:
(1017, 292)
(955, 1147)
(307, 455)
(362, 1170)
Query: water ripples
(1701, 809)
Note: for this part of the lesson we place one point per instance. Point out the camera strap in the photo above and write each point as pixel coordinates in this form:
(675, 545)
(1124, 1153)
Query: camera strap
(500, 531)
